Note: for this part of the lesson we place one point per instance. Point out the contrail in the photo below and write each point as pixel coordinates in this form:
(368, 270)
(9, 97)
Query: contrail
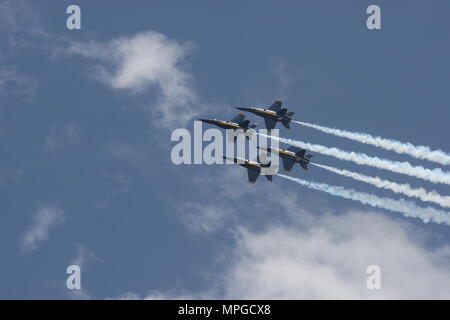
(419, 152)
(433, 175)
(405, 189)
(408, 208)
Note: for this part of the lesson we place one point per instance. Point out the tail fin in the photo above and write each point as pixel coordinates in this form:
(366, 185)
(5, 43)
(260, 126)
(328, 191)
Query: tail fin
(269, 177)
(300, 153)
(282, 111)
(244, 124)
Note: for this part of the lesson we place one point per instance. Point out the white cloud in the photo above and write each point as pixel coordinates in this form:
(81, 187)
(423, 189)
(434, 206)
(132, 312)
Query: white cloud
(21, 27)
(155, 295)
(119, 184)
(81, 258)
(328, 260)
(12, 83)
(203, 217)
(83, 255)
(61, 137)
(46, 218)
(285, 249)
(232, 208)
(147, 60)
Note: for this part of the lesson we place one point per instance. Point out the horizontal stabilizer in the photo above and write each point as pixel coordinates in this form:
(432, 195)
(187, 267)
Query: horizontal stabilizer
(239, 118)
(285, 123)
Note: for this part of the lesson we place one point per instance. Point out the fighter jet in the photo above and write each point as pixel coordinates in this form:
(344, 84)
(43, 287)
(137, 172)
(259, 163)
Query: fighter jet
(272, 115)
(237, 122)
(254, 168)
(291, 156)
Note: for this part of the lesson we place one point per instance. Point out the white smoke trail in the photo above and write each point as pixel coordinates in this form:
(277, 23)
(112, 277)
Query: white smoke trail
(405, 189)
(408, 208)
(419, 152)
(433, 175)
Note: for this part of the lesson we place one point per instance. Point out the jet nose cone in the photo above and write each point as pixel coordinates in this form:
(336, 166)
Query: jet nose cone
(243, 109)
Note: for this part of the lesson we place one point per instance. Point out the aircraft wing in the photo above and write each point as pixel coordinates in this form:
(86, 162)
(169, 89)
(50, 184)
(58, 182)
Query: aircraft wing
(288, 163)
(276, 106)
(239, 118)
(301, 153)
(270, 123)
(252, 175)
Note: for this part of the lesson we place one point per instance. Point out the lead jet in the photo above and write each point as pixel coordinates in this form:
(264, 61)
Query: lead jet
(291, 156)
(237, 122)
(272, 115)
(254, 168)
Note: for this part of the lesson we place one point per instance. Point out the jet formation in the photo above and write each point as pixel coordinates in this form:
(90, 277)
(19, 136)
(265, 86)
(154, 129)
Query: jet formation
(275, 113)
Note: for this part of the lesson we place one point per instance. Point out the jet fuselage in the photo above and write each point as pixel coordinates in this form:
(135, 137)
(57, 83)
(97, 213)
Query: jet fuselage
(222, 124)
(291, 156)
(265, 113)
(287, 153)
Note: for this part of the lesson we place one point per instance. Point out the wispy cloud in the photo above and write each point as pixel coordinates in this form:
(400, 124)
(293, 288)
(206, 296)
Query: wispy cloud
(144, 62)
(119, 184)
(327, 258)
(60, 137)
(13, 83)
(21, 25)
(82, 257)
(203, 217)
(45, 218)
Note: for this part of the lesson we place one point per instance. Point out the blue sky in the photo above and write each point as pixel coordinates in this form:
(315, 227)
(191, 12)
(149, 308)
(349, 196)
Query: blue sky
(86, 175)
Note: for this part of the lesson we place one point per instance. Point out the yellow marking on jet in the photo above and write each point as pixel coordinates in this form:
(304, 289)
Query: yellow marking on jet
(266, 111)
